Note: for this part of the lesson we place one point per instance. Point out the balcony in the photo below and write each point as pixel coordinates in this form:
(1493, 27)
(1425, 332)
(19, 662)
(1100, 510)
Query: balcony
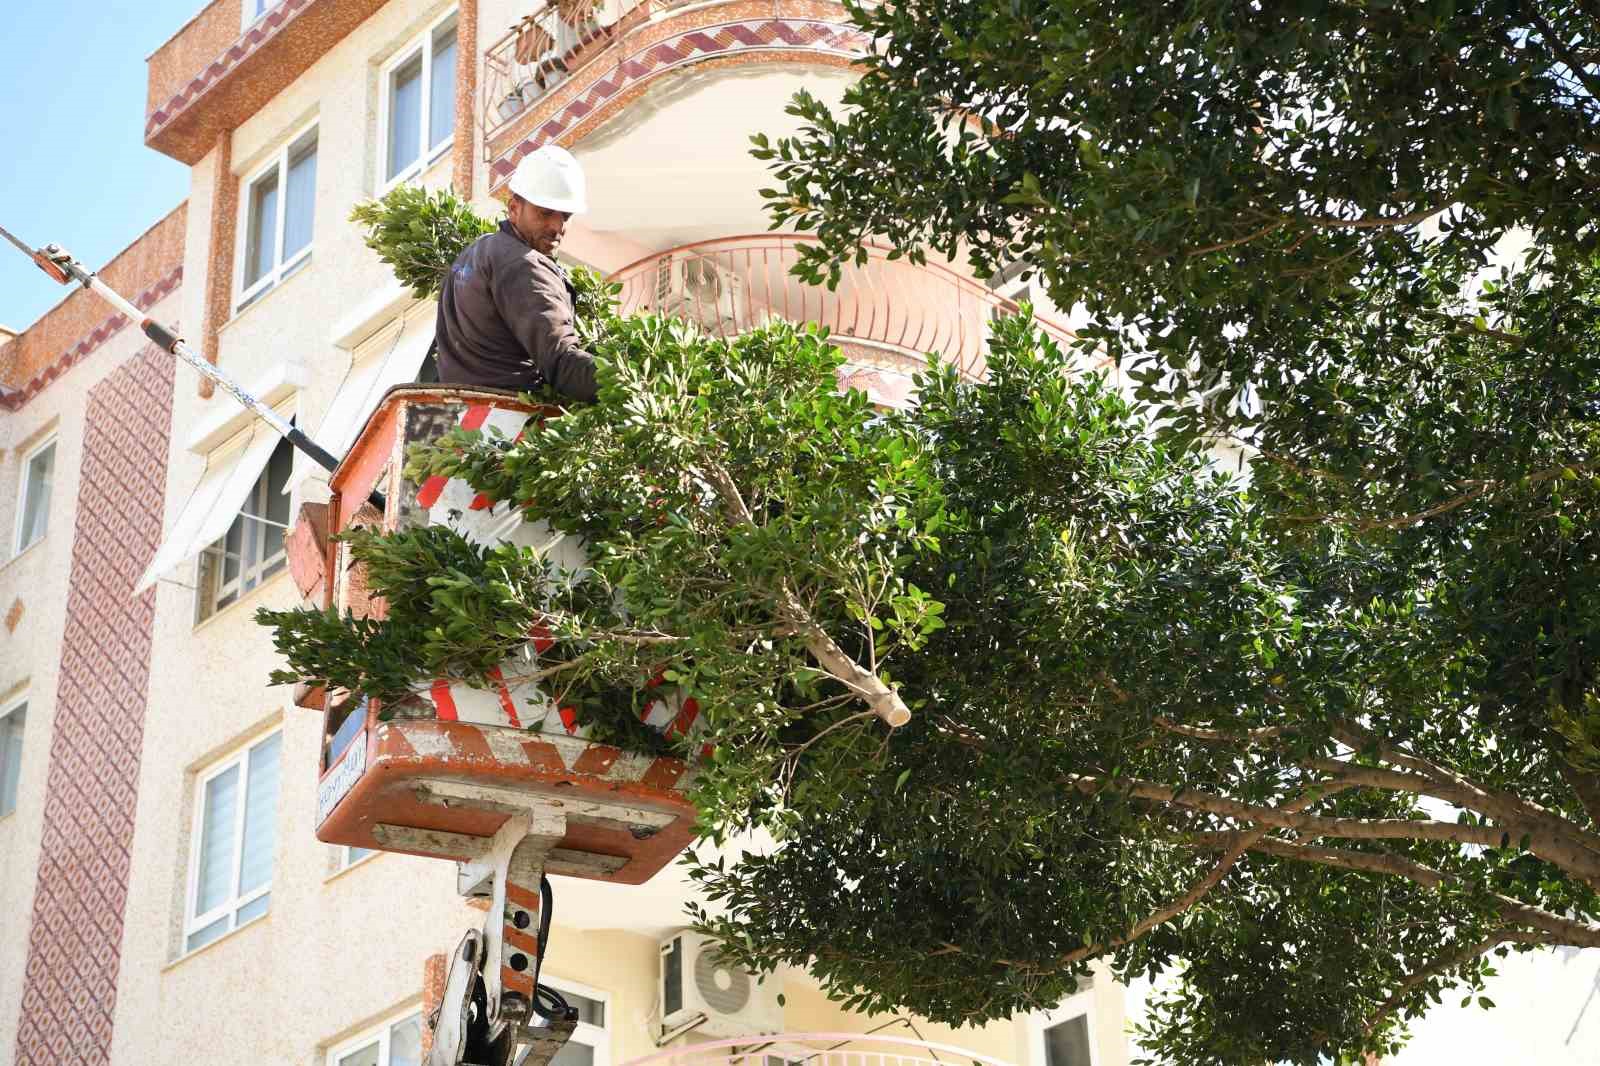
(820, 1049)
(570, 66)
(543, 50)
(885, 314)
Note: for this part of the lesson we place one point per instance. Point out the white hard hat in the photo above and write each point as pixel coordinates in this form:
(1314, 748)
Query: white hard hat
(550, 177)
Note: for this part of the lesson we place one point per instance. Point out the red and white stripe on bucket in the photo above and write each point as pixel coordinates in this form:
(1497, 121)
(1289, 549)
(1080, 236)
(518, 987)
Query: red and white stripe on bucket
(454, 701)
(454, 502)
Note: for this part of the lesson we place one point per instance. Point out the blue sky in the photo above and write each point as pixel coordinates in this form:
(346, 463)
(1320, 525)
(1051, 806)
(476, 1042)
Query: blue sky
(73, 165)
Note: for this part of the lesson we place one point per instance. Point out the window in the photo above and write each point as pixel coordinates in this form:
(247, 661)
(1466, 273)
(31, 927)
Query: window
(350, 855)
(279, 206)
(254, 9)
(1066, 1043)
(418, 110)
(591, 1040)
(1062, 1037)
(38, 474)
(252, 549)
(396, 1043)
(235, 835)
(11, 725)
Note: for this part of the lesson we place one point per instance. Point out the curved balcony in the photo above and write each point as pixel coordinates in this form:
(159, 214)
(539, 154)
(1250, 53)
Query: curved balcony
(885, 314)
(817, 1049)
(542, 50)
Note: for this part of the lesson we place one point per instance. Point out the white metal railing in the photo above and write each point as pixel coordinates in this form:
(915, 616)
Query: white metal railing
(818, 1049)
(886, 305)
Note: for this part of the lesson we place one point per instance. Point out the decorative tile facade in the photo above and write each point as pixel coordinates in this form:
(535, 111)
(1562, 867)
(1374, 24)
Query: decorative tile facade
(70, 981)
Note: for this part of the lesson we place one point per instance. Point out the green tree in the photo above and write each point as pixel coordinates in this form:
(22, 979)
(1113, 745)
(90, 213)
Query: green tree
(1320, 743)
(1291, 225)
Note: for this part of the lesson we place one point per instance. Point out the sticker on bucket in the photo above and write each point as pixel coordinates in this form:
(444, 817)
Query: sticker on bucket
(336, 783)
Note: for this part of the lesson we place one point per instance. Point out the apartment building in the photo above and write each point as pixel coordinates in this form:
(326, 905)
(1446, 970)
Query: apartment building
(163, 897)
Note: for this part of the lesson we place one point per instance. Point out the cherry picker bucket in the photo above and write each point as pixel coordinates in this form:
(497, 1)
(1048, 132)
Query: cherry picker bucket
(442, 772)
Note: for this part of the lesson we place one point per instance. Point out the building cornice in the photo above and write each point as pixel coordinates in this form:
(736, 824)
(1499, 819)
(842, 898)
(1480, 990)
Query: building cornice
(90, 342)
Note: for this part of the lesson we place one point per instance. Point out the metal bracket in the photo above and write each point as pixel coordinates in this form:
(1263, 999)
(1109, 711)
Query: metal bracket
(516, 861)
(505, 958)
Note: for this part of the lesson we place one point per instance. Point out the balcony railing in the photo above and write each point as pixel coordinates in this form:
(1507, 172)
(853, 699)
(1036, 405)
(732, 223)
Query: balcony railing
(818, 1049)
(543, 50)
(885, 312)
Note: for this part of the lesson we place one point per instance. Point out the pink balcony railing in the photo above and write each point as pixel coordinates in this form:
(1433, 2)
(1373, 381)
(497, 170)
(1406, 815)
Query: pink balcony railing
(818, 1049)
(885, 312)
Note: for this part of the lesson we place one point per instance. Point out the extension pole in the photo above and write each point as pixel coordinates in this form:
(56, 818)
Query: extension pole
(59, 264)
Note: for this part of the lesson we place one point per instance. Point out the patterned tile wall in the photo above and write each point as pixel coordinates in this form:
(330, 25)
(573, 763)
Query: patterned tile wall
(70, 981)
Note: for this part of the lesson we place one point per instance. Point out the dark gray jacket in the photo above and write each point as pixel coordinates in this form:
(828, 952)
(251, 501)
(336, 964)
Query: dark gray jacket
(505, 320)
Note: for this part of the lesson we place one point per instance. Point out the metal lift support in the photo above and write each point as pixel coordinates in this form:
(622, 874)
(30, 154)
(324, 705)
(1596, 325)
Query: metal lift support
(490, 1010)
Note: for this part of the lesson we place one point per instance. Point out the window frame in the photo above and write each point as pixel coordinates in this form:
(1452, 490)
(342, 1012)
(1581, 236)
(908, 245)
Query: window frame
(23, 482)
(595, 1037)
(209, 590)
(342, 860)
(1079, 1004)
(280, 270)
(194, 923)
(6, 711)
(248, 20)
(420, 45)
(380, 1032)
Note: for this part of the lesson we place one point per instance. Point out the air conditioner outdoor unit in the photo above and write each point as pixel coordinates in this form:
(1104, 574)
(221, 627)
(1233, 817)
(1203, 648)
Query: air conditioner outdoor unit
(696, 288)
(696, 980)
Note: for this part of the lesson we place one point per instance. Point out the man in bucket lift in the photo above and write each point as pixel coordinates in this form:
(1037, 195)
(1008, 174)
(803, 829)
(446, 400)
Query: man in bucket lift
(506, 311)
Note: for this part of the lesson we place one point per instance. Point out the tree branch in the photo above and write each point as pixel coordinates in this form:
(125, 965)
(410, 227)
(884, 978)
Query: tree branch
(884, 700)
(1286, 818)
(1344, 858)
(1370, 222)
(1564, 930)
(1559, 47)
(1248, 736)
(1448, 961)
(1559, 833)
(1246, 239)
(1197, 891)
(1586, 787)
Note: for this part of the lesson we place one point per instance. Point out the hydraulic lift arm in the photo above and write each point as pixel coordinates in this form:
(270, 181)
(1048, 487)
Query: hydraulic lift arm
(59, 264)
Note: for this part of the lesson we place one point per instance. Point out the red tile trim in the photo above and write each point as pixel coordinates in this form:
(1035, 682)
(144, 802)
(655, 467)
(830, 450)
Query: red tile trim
(691, 46)
(92, 340)
(259, 33)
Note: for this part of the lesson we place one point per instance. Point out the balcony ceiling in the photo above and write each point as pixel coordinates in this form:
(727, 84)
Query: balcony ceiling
(676, 167)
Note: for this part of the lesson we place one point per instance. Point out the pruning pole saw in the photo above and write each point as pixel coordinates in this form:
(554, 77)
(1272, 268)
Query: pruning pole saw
(59, 264)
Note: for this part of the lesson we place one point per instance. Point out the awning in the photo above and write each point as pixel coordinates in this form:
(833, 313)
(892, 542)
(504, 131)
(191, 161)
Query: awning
(214, 503)
(389, 358)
